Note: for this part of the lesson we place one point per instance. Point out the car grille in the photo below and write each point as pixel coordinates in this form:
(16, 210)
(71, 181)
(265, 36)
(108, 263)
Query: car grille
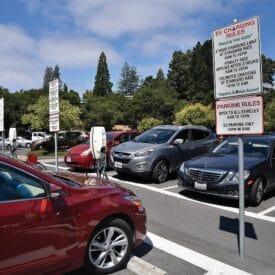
(121, 157)
(206, 176)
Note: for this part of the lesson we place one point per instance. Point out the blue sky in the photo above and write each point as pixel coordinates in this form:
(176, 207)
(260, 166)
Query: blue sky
(144, 33)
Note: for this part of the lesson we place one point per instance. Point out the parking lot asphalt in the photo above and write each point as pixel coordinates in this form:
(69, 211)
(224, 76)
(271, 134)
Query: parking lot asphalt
(204, 225)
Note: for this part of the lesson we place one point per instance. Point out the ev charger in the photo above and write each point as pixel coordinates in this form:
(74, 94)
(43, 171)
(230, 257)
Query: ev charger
(98, 142)
(12, 134)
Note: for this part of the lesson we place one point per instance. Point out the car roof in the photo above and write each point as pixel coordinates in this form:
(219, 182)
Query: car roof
(177, 127)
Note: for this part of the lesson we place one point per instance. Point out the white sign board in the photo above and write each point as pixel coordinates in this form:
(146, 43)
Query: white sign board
(2, 115)
(237, 59)
(54, 105)
(54, 123)
(240, 116)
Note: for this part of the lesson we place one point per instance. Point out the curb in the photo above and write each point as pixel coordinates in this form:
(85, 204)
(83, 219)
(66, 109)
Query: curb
(141, 267)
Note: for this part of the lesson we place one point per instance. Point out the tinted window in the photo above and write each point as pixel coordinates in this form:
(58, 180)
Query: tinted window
(155, 136)
(252, 147)
(182, 134)
(122, 138)
(16, 185)
(198, 134)
(133, 135)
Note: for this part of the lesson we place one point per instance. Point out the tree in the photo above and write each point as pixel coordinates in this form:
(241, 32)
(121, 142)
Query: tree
(268, 67)
(103, 86)
(48, 77)
(38, 115)
(56, 75)
(148, 123)
(104, 111)
(196, 114)
(129, 80)
(160, 75)
(270, 116)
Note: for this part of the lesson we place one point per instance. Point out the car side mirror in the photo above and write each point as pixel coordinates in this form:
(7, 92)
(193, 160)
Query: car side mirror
(55, 191)
(178, 141)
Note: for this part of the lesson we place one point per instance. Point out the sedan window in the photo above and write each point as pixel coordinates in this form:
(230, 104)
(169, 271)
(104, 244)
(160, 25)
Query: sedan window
(16, 185)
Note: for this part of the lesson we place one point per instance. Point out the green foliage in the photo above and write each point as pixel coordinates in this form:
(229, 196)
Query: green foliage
(268, 67)
(103, 86)
(104, 111)
(148, 123)
(196, 114)
(129, 80)
(270, 116)
(38, 115)
(156, 102)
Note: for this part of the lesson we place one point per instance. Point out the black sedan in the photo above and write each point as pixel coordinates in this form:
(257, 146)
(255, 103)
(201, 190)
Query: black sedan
(217, 172)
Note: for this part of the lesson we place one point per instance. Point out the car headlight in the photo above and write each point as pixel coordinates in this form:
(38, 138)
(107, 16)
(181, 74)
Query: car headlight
(144, 153)
(232, 176)
(86, 152)
(136, 201)
(183, 169)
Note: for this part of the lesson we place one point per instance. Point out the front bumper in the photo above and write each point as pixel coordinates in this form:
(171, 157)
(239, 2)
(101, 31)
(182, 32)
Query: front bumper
(221, 189)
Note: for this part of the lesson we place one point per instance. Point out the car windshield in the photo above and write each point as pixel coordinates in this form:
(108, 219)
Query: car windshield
(155, 136)
(109, 136)
(253, 147)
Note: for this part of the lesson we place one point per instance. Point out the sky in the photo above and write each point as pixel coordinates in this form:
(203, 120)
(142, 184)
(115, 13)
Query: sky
(144, 33)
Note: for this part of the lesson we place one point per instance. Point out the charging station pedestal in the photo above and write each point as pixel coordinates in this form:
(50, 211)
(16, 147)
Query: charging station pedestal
(13, 144)
(98, 148)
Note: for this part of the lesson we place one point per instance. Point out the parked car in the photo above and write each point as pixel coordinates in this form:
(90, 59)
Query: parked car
(39, 135)
(20, 141)
(217, 173)
(56, 223)
(65, 139)
(161, 150)
(80, 156)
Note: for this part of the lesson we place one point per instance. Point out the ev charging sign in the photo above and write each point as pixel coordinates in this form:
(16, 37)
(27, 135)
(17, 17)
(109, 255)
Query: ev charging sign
(54, 105)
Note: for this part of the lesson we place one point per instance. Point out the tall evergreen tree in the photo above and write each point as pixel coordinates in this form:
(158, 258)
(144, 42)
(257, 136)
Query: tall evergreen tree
(160, 75)
(103, 85)
(56, 75)
(129, 80)
(48, 77)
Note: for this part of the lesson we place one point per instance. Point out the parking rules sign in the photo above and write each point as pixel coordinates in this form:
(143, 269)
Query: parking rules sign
(240, 116)
(237, 59)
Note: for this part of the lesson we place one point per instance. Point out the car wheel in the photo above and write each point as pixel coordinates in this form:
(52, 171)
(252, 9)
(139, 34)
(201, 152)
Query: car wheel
(161, 171)
(109, 247)
(28, 145)
(41, 147)
(257, 191)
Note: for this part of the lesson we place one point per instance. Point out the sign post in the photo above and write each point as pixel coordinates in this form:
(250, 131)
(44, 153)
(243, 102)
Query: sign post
(238, 73)
(2, 128)
(54, 113)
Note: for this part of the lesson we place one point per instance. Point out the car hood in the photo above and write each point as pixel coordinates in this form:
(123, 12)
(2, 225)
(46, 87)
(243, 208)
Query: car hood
(222, 162)
(88, 182)
(78, 149)
(133, 146)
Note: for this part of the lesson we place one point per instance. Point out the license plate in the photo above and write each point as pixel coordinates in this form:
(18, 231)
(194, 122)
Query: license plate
(69, 159)
(200, 186)
(118, 164)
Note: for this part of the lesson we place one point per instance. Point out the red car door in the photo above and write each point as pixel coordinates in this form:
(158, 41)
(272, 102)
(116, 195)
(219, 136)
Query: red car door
(36, 234)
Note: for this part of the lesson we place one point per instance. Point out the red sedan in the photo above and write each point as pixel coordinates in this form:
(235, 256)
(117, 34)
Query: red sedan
(56, 223)
(80, 155)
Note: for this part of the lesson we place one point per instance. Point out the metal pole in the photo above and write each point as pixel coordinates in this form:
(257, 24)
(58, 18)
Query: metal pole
(3, 143)
(241, 197)
(55, 149)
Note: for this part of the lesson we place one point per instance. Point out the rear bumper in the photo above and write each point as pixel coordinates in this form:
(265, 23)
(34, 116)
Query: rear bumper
(140, 228)
(77, 161)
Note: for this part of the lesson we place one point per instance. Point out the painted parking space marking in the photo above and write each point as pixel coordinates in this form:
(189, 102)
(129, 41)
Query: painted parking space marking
(53, 166)
(211, 265)
(266, 211)
(170, 187)
(179, 196)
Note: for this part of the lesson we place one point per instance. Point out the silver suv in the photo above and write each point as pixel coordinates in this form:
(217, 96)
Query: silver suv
(160, 150)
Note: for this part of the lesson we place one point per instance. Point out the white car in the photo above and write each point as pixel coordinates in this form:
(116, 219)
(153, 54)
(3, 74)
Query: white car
(20, 141)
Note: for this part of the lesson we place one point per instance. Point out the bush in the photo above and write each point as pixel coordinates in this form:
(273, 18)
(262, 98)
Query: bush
(270, 116)
(196, 114)
(148, 123)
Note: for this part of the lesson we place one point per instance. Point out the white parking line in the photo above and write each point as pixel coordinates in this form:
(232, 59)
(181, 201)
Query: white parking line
(53, 166)
(170, 187)
(209, 264)
(179, 196)
(270, 209)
